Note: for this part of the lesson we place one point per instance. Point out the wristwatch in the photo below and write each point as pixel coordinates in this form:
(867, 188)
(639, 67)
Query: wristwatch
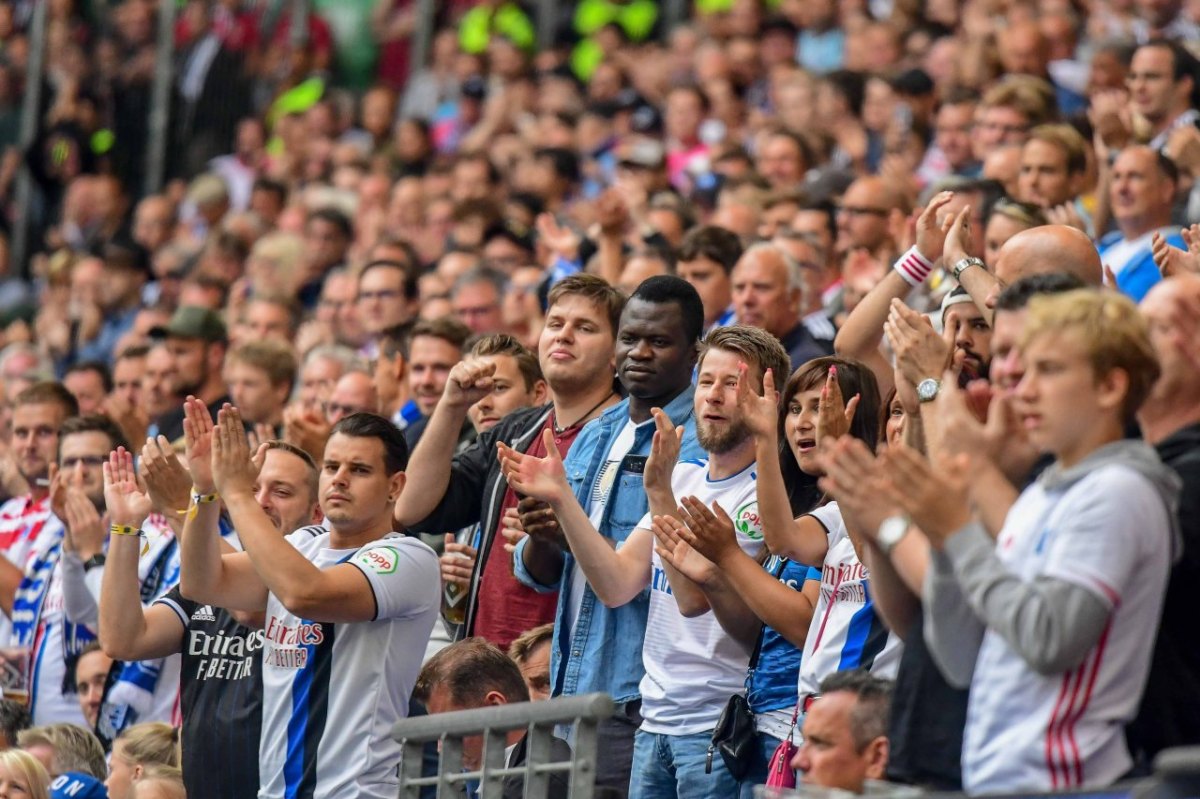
(94, 562)
(891, 530)
(927, 389)
(965, 264)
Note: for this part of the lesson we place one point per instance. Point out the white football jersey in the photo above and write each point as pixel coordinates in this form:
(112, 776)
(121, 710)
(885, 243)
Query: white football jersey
(846, 632)
(23, 522)
(332, 692)
(692, 665)
(1110, 533)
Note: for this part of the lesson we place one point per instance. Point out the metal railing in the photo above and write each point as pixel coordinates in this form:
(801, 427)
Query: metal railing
(537, 719)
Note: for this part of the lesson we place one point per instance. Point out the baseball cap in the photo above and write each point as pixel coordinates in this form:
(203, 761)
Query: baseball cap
(957, 296)
(192, 321)
(77, 785)
(641, 152)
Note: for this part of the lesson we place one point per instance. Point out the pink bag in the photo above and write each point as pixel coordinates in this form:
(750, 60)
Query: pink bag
(780, 773)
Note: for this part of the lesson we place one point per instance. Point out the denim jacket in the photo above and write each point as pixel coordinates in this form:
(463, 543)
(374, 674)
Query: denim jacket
(605, 654)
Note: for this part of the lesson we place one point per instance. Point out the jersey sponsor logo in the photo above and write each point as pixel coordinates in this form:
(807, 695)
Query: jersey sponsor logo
(286, 658)
(303, 633)
(747, 521)
(381, 560)
(204, 613)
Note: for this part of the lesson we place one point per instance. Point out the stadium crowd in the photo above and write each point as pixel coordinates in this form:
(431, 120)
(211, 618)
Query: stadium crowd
(819, 380)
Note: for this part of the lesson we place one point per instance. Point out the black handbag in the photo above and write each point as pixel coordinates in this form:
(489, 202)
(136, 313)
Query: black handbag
(734, 737)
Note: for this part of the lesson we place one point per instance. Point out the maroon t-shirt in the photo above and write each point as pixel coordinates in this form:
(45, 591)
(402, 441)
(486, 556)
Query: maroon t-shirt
(506, 607)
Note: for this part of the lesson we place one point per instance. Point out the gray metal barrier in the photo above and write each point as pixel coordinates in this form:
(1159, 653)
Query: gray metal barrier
(538, 719)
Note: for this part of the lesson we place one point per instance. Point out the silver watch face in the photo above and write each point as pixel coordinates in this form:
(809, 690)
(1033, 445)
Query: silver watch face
(927, 389)
(892, 530)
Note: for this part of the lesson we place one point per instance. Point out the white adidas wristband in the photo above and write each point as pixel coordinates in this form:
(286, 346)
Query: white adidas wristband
(913, 267)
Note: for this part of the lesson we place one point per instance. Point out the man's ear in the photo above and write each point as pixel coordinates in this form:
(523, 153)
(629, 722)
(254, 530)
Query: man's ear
(495, 698)
(541, 392)
(877, 758)
(396, 486)
(1112, 389)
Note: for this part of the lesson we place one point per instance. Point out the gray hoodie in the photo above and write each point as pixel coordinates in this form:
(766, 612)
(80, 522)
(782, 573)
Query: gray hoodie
(1051, 623)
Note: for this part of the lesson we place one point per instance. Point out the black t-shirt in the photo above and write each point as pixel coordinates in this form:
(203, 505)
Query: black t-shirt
(221, 694)
(170, 424)
(928, 717)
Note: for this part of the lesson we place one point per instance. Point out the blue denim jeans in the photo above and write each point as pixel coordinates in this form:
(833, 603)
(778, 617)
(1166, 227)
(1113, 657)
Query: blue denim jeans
(673, 767)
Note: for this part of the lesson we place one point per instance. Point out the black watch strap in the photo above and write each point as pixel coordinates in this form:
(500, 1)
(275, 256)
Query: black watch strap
(94, 562)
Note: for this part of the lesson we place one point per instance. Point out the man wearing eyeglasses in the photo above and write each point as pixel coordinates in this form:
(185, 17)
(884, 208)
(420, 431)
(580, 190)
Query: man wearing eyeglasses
(386, 298)
(869, 211)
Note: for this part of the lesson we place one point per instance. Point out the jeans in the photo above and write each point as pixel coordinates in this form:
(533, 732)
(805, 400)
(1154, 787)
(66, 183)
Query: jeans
(673, 767)
(764, 748)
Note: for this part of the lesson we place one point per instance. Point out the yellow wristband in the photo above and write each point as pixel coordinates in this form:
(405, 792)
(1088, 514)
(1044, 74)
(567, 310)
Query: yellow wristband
(202, 499)
(125, 529)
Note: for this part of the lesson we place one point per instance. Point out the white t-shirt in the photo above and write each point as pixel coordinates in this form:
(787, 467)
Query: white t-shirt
(597, 502)
(846, 632)
(692, 665)
(1108, 532)
(331, 692)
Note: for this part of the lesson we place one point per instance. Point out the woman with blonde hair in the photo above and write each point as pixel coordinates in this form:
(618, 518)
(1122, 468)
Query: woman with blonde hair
(22, 776)
(136, 749)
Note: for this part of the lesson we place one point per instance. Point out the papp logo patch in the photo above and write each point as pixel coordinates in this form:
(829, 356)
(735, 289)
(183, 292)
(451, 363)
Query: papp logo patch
(381, 560)
(747, 521)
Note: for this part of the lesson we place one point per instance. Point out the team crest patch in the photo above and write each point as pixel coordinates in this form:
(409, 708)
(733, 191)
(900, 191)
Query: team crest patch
(381, 560)
(747, 521)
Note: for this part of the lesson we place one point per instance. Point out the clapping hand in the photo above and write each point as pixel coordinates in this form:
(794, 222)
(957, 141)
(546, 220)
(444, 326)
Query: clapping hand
(933, 495)
(834, 415)
(234, 469)
(533, 518)
(930, 234)
(167, 481)
(920, 352)
(676, 552)
(853, 478)
(127, 504)
(761, 414)
(198, 433)
(664, 452)
(84, 526)
(709, 532)
(540, 478)
(1171, 260)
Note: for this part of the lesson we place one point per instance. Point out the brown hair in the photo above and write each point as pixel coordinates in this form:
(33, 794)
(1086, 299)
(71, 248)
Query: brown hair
(505, 344)
(274, 358)
(755, 345)
(592, 288)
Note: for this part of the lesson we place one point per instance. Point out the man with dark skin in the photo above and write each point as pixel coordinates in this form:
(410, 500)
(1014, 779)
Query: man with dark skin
(655, 353)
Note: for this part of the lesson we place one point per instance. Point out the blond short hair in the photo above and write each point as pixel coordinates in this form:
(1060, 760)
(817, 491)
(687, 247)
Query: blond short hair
(274, 358)
(75, 748)
(1067, 139)
(756, 347)
(1113, 332)
(29, 769)
(151, 742)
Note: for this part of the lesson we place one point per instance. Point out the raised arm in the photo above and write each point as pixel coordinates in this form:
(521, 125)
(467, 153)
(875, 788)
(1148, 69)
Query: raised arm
(127, 631)
(429, 468)
(616, 575)
(861, 334)
(340, 593)
(228, 581)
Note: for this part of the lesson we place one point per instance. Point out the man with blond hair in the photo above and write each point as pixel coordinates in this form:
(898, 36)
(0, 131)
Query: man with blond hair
(260, 375)
(1052, 624)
